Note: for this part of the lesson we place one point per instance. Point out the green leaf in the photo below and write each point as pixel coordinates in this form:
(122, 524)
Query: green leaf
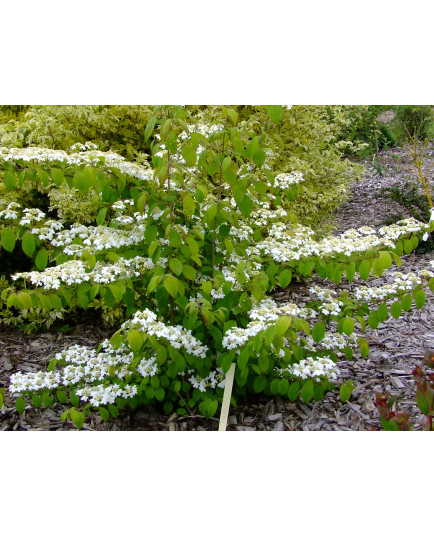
(293, 391)
(77, 418)
(243, 358)
(74, 399)
(318, 333)
(259, 158)
(395, 309)
(364, 269)
(419, 298)
(408, 246)
(373, 320)
(245, 206)
(285, 278)
(100, 218)
(189, 205)
(105, 415)
(25, 300)
(282, 324)
(422, 402)
(9, 180)
(275, 113)
(36, 401)
(57, 176)
(232, 115)
(41, 259)
(351, 271)
(176, 266)
(61, 396)
(283, 387)
(189, 154)
(117, 289)
(81, 182)
(171, 285)
(307, 391)
(382, 312)
(114, 411)
(259, 384)
(150, 125)
(8, 239)
(189, 272)
(345, 392)
(363, 345)
(175, 239)
(406, 302)
(20, 405)
(47, 400)
(52, 364)
(348, 326)
(28, 244)
(135, 340)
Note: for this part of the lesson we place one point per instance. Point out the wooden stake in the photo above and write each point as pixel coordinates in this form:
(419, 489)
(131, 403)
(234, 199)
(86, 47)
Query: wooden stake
(227, 398)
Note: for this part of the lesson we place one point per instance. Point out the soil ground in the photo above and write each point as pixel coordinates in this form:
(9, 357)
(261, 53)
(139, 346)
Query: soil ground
(395, 349)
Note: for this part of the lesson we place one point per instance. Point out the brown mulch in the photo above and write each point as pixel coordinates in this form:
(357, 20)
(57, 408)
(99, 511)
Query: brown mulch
(396, 347)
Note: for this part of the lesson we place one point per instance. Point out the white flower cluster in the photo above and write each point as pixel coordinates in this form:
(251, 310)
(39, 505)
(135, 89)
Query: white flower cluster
(216, 378)
(403, 227)
(109, 159)
(332, 342)
(86, 366)
(403, 282)
(49, 230)
(32, 215)
(10, 213)
(263, 216)
(284, 181)
(99, 395)
(88, 146)
(148, 367)
(329, 306)
(269, 311)
(75, 272)
(315, 368)
(177, 336)
(285, 243)
(99, 238)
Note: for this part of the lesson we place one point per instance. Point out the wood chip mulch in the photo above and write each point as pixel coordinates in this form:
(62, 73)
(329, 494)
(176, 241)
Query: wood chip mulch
(396, 347)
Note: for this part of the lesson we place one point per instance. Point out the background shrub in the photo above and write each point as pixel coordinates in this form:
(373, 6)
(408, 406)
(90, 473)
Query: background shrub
(414, 121)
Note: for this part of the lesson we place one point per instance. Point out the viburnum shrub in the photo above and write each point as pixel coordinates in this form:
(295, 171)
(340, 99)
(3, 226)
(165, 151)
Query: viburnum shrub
(191, 248)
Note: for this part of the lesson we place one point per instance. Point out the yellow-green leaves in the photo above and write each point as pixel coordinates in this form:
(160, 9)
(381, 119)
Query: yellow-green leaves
(282, 325)
(307, 391)
(348, 326)
(275, 113)
(318, 332)
(8, 239)
(171, 285)
(365, 269)
(189, 154)
(189, 205)
(9, 180)
(345, 391)
(41, 259)
(285, 278)
(135, 340)
(175, 265)
(150, 127)
(419, 298)
(28, 244)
